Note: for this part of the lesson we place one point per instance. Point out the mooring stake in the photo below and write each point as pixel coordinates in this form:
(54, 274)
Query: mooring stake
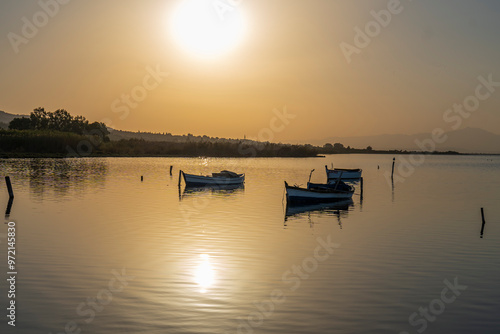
(361, 181)
(484, 222)
(9, 187)
(393, 162)
(9, 207)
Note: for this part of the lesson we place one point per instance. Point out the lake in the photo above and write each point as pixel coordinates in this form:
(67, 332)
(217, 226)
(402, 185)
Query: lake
(99, 251)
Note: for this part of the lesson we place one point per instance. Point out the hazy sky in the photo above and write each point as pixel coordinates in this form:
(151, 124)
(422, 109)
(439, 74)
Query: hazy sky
(87, 55)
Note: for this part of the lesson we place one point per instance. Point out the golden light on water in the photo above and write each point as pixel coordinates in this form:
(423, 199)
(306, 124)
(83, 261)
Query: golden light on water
(202, 28)
(204, 275)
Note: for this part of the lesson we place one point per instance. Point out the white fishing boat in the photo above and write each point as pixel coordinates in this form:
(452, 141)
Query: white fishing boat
(317, 194)
(223, 179)
(334, 174)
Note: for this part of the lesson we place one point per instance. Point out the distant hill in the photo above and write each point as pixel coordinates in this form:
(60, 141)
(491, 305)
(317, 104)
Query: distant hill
(157, 137)
(6, 117)
(467, 140)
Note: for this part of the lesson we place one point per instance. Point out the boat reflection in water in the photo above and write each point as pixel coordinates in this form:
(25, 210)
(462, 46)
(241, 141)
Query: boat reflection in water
(338, 209)
(63, 178)
(220, 190)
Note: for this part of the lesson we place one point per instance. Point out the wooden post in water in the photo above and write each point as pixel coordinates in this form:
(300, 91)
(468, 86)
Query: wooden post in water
(142, 178)
(9, 207)
(171, 170)
(9, 187)
(393, 162)
(484, 222)
(361, 181)
(180, 173)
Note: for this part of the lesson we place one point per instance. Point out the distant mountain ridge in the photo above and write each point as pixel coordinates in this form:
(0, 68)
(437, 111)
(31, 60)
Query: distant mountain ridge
(6, 118)
(467, 140)
(150, 136)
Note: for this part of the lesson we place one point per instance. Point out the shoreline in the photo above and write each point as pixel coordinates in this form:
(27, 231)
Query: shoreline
(10, 155)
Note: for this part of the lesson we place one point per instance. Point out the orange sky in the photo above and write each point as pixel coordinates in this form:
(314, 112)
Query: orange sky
(89, 54)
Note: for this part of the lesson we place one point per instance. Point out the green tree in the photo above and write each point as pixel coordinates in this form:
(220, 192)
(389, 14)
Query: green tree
(338, 146)
(22, 123)
(60, 120)
(39, 119)
(79, 124)
(98, 129)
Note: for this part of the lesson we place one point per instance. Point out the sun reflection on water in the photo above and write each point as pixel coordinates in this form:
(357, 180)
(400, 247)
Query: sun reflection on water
(204, 275)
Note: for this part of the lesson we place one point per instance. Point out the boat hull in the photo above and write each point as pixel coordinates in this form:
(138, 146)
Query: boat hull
(346, 174)
(332, 186)
(210, 181)
(302, 195)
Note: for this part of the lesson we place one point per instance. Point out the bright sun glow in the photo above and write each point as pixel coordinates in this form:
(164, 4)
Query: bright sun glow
(206, 28)
(204, 274)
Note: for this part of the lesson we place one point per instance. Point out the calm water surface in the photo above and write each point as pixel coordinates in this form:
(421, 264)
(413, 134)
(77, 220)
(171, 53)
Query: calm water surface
(233, 261)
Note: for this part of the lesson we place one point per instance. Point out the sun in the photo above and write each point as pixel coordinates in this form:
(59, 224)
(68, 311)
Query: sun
(208, 28)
